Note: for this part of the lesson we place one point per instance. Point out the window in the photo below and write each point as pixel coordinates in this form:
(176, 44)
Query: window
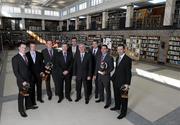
(32, 11)
(72, 10)
(10, 9)
(51, 13)
(83, 6)
(96, 2)
(64, 13)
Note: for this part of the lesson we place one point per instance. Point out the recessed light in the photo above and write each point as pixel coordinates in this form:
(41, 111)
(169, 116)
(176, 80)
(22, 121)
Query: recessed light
(156, 1)
(61, 2)
(125, 7)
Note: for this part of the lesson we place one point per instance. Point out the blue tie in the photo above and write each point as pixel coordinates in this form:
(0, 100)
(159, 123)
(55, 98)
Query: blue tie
(65, 57)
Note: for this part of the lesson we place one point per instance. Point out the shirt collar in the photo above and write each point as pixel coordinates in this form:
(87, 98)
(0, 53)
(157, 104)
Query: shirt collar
(21, 54)
(122, 55)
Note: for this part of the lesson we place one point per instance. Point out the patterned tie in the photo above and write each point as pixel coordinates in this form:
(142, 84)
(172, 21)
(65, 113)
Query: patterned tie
(65, 55)
(50, 53)
(25, 59)
(119, 60)
(34, 57)
(82, 56)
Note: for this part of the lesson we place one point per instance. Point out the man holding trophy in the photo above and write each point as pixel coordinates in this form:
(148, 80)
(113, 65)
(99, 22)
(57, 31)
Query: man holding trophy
(121, 81)
(20, 65)
(104, 67)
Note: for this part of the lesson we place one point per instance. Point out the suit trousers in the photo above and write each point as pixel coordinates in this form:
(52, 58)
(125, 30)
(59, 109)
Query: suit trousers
(104, 83)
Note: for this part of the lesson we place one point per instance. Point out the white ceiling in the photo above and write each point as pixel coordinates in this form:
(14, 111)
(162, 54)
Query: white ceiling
(57, 4)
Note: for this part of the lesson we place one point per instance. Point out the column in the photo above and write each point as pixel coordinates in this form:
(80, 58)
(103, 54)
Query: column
(43, 24)
(88, 22)
(77, 23)
(169, 12)
(60, 25)
(68, 23)
(1, 23)
(129, 16)
(22, 24)
(104, 20)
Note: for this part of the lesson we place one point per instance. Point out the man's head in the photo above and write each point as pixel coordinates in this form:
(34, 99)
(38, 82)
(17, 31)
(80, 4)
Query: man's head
(22, 48)
(32, 46)
(94, 44)
(74, 41)
(49, 44)
(81, 48)
(64, 47)
(121, 49)
(104, 49)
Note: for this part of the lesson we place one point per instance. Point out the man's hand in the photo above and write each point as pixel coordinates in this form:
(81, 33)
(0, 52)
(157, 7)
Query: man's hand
(94, 77)
(126, 87)
(89, 78)
(65, 72)
(24, 83)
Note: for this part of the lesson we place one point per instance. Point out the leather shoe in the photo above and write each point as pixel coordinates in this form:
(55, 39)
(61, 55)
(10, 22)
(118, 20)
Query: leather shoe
(50, 97)
(87, 101)
(69, 99)
(23, 114)
(106, 106)
(98, 101)
(77, 99)
(40, 100)
(60, 100)
(121, 116)
(33, 107)
(114, 109)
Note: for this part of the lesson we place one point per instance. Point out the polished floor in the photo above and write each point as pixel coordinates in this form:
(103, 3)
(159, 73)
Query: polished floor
(154, 99)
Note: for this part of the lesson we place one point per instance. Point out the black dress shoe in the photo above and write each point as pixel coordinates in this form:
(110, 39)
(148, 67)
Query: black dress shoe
(69, 99)
(50, 97)
(60, 100)
(32, 107)
(87, 101)
(40, 100)
(77, 99)
(106, 106)
(114, 109)
(96, 96)
(23, 114)
(121, 116)
(98, 101)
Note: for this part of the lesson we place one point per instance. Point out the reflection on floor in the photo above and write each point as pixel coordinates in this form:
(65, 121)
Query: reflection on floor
(151, 102)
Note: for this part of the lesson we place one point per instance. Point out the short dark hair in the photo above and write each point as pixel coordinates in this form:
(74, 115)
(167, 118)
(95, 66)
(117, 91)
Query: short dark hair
(121, 45)
(21, 43)
(104, 46)
(73, 38)
(95, 41)
(32, 42)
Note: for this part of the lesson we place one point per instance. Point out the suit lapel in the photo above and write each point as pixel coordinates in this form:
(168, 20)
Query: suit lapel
(21, 58)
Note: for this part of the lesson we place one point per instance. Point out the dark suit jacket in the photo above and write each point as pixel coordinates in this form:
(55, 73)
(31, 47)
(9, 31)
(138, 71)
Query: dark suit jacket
(82, 69)
(110, 62)
(77, 51)
(37, 67)
(94, 58)
(122, 74)
(62, 65)
(21, 70)
(46, 57)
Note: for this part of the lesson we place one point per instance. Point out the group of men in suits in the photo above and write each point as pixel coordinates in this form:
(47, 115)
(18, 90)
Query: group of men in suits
(74, 61)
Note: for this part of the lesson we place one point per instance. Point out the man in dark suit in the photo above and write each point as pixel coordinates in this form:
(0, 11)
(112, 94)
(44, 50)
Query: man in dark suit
(64, 62)
(74, 49)
(36, 66)
(104, 76)
(95, 53)
(82, 71)
(20, 65)
(49, 56)
(121, 78)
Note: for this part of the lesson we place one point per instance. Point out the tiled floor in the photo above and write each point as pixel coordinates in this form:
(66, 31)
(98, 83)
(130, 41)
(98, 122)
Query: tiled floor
(150, 103)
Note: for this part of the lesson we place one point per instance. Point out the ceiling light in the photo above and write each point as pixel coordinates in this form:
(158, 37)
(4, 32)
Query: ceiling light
(156, 1)
(61, 2)
(125, 7)
(82, 17)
